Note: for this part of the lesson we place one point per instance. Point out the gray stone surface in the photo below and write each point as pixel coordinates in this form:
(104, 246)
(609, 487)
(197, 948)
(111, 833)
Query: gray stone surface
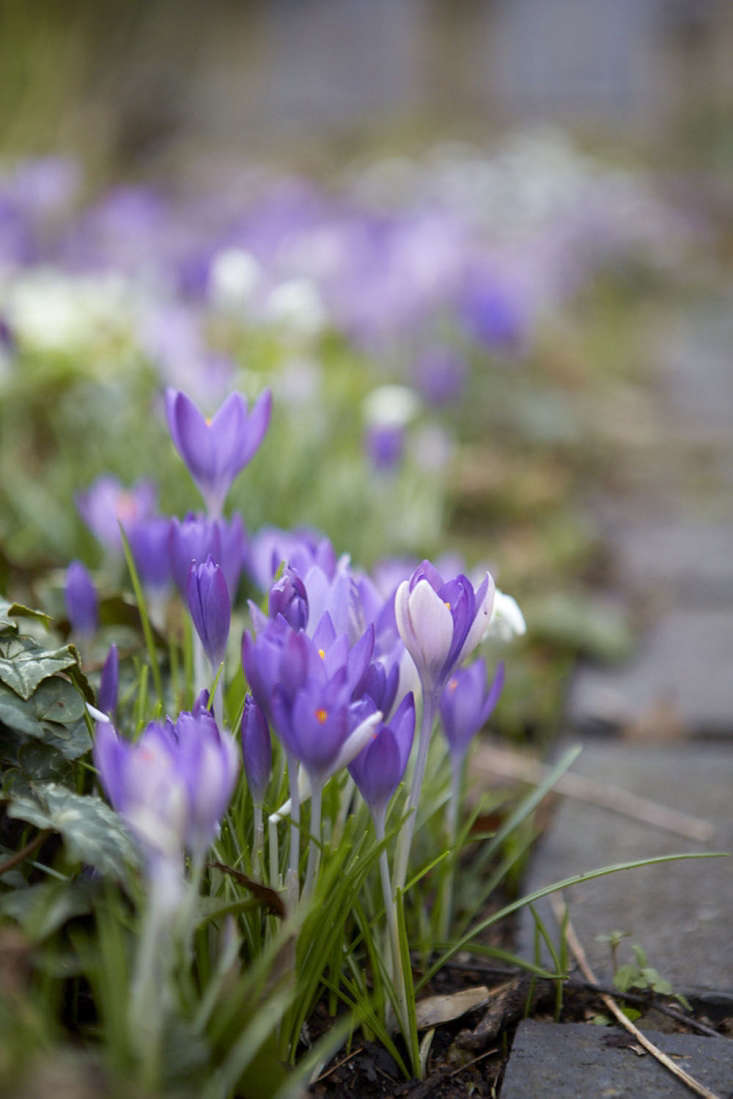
(680, 913)
(580, 1061)
(682, 676)
(681, 559)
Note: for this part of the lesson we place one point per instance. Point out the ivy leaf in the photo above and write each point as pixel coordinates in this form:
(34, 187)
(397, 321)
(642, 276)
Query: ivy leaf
(24, 663)
(54, 714)
(92, 832)
(8, 611)
(42, 908)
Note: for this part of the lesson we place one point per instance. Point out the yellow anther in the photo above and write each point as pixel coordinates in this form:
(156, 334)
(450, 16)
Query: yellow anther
(322, 654)
(321, 715)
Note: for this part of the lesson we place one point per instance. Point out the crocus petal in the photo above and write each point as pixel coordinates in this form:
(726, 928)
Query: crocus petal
(257, 425)
(484, 604)
(425, 625)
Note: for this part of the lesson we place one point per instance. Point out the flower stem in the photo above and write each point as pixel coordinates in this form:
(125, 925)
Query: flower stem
(398, 975)
(314, 849)
(404, 840)
(275, 882)
(258, 841)
(293, 877)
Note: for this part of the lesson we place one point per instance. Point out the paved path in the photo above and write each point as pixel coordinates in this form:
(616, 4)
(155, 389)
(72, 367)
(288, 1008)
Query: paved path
(666, 720)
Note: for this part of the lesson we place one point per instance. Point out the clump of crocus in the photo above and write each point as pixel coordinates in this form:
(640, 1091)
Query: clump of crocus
(215, 450)
(82, 603)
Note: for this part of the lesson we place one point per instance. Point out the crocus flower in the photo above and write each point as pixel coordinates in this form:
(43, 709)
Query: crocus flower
(385, 445)
(172, 786)
(300, 549)
(81, 599)
(441, 622)
(278, 656)
(216, 450)
(380, 766)
(465, 704)
(108, 685)
(256, 749)
(149, 538)
(314, 723)
(208, 601)
(107, 503)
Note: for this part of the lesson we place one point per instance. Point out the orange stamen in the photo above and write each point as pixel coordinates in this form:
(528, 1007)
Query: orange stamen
(321, 715)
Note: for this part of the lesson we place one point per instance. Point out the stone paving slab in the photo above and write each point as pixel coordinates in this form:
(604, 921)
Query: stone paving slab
(681, 559)
(682, 676)
(680, 913)
(581, 1061)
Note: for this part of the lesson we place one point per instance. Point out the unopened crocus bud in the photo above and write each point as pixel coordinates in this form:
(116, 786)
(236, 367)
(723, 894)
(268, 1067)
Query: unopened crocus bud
(108, 685)
(465, 704)
(289, 598)
(208, 601)
(256, 749)
(380, 766)
(81, 599)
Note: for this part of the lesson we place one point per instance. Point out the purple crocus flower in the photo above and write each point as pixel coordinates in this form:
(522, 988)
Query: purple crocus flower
(256, 749)
(314, 723)
(149, 539)
(385, 446)
(106, 504)
(216, 450)
(172, 786)
(208, 601)
(145, 786)
(194, 538)
(441, 622)
(82, 605)
(300, 549)
(465, 704)
(289, 598)
(277, 656)
(380, 766)
(208, 761)
(108, 685)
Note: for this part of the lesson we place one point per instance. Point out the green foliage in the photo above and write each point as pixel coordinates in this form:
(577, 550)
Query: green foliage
(92, 832)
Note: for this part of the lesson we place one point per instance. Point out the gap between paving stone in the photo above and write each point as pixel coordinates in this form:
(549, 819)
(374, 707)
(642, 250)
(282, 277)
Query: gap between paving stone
(579, 1060)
